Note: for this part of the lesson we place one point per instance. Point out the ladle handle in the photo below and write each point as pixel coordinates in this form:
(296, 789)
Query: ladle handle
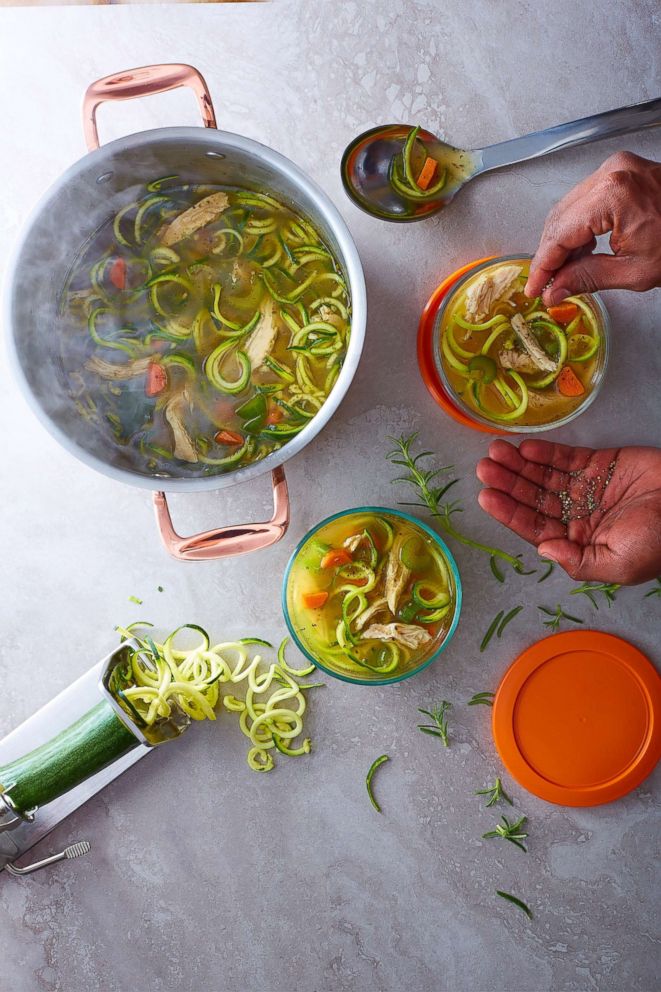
(226, 542)
(580, 132)
(143, 81)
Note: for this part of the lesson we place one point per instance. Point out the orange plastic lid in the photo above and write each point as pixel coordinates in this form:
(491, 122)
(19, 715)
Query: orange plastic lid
(577, 718)
(426, 350)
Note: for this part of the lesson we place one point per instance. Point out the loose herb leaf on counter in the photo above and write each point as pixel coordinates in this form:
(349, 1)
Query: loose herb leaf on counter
(590, 589)
(550, 565)
(495, 794)
(656, 591)
(512, 832)
(493, 627)
(370, 775)
(135, 599)
(515, 902)
(506, 619)
(493, 564)
(431, 495)
(556, 616)
(440, 726)
(481, 699)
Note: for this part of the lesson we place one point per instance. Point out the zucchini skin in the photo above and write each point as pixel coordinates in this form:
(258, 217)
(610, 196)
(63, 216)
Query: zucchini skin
(91, 743)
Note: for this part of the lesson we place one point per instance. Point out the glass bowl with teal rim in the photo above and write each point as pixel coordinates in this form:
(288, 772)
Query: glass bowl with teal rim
(371, 595)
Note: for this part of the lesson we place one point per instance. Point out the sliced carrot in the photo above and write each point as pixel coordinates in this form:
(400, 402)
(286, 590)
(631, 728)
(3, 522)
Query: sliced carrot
(157, 379)
(427, 172)
(117, 274)
(228, 437)
(564, 313)
(569, 384)
(275, 415)
(334, 557)
(314, 600)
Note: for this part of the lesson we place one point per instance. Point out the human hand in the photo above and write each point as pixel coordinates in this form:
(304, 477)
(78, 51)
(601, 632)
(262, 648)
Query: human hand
(595, 512)
(623, 198)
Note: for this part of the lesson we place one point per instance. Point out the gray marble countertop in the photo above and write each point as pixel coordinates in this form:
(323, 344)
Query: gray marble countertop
(205, 876)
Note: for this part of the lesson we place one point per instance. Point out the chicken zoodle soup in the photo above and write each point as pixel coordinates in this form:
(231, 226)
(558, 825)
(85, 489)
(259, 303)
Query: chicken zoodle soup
(514, 361)
(370, 596)
(202, 328)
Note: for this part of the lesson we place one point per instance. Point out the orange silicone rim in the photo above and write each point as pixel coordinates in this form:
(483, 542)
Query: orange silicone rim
(548, 705)
(426, 351)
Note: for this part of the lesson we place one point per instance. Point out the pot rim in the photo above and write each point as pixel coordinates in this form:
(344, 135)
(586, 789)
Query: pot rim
(276, 162)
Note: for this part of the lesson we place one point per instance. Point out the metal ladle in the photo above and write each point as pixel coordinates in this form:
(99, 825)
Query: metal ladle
(367, 161)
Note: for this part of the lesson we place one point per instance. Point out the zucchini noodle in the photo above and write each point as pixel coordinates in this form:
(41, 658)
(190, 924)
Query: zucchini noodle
(161, 681)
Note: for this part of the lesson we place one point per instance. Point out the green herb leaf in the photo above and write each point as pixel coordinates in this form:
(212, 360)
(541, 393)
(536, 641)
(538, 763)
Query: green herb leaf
(493, 563)
(656, 591)
(481, 699)
(550, 565)
(439, 716)
(370, 775)
(134, 599)
(515, 902)
(493, 626)
(506, 619)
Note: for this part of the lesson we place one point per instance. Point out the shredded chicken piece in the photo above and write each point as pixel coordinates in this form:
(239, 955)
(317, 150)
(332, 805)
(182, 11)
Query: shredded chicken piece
(353, 543)
(488, 289)
(204, 212)
(520, 361)
(407, 634)
(364, 617)
(110, 370)
(537, 401)
(263, 337)
(530, 343)
(397, 575)
(184, 446)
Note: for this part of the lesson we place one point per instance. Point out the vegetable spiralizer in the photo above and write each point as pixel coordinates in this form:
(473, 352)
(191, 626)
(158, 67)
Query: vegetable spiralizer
(65, 753)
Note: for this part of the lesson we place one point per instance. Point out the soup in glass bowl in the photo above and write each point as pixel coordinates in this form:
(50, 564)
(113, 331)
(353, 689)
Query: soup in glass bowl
(372, 595)
(510, 362)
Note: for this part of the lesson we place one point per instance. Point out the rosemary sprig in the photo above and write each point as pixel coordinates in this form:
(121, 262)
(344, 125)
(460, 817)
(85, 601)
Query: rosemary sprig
(550, 565)
(440, 726)
(431, 495)
(656, 591)
(590, 589)
(495, 794)
(515, 902)
(481, 699)
(512, 832)
(557, 616)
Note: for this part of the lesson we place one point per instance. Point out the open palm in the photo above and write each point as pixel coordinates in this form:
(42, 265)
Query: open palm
(596, 512)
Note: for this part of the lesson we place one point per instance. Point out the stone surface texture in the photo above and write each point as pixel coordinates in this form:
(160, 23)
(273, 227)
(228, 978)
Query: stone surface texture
(204, 875)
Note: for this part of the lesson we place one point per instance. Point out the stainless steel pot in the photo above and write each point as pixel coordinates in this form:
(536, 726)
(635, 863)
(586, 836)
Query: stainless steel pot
(79, 202)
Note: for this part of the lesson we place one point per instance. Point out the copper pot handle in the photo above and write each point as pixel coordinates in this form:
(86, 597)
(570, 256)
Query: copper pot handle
(237, 539)
(142, 82)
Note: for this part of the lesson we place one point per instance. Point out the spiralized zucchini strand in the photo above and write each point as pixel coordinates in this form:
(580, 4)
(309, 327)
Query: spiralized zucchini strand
(160, 675)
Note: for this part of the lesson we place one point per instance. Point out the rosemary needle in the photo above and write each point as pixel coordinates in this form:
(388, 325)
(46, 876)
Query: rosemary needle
(493, 626)
(506, 619)
(656, 591)
(497, 574)
(515, 902)
(481, 699)
(550, 565)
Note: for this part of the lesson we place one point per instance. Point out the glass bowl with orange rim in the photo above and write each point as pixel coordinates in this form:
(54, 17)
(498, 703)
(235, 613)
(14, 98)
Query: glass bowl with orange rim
(500, 362)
